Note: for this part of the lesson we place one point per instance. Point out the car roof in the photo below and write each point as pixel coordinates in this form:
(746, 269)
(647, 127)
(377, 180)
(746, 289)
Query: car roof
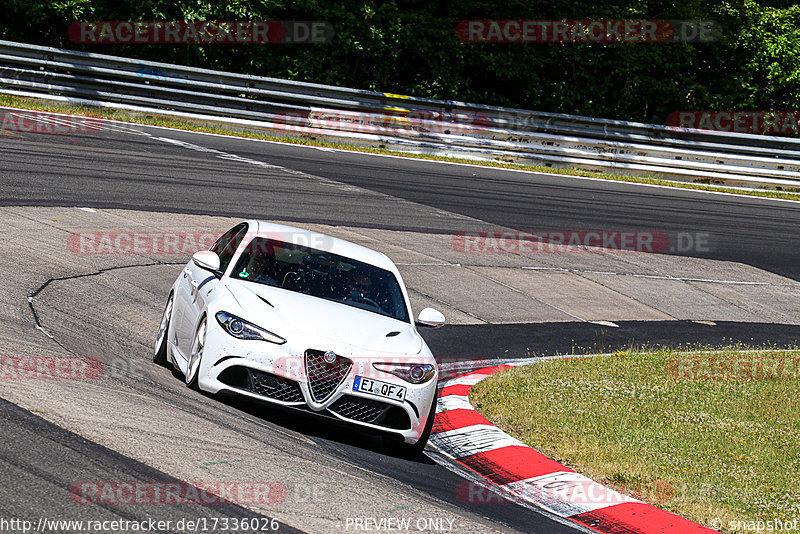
(319, 241)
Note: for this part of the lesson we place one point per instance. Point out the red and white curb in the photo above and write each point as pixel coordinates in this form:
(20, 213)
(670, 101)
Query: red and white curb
(523, 475)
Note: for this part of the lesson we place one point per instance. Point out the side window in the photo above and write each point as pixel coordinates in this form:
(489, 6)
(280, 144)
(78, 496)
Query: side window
(226, 245)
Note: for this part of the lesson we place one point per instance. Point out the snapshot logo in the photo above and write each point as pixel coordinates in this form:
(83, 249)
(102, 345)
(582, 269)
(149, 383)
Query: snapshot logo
(199, 32)
(586, 31)
(49, 368)
(760, 525)
(419, 120)
(245, 493)
(734, 368)
(753, 122)
(49, 123)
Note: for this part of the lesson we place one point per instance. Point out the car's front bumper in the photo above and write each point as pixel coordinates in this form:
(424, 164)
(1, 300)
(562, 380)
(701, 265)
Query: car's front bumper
(277, 374)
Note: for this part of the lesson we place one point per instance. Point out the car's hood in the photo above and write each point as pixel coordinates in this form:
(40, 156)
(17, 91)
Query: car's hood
(320, 324)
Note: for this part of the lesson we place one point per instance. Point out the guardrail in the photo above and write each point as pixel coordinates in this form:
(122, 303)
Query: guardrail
(405, 123)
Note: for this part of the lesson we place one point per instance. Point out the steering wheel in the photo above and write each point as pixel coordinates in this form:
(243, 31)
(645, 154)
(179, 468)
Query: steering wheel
(293, 279)
(359, 297)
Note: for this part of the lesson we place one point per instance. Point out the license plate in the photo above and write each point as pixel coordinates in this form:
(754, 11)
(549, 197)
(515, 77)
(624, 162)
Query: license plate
(379, 389)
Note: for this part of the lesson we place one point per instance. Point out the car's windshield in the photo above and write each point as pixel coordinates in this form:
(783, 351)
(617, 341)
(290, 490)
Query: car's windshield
(323, 275)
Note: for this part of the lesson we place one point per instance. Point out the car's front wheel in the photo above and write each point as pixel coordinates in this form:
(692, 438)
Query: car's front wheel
(160, 348)
(196, 355)
(400, 448)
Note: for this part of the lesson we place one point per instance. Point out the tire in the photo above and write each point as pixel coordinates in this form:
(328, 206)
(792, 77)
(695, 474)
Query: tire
(196, 355)
(405, 450)
(160, 348)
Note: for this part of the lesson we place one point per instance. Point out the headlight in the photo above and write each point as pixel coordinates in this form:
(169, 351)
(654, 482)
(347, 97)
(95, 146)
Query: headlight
(416, 373)
(241, 329)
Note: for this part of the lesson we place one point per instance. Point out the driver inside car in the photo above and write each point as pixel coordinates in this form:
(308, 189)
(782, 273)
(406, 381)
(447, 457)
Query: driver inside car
(358, 286)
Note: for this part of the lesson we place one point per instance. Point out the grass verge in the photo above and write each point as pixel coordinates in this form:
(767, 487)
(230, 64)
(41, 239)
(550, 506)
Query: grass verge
(308, 140)
(710, 435)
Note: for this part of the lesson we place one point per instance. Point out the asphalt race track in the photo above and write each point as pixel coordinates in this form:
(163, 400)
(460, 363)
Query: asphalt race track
(37, 488)
(107, 311)
(117, 171)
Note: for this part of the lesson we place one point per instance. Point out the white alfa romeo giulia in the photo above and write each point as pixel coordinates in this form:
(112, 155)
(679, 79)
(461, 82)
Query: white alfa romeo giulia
(306, 321)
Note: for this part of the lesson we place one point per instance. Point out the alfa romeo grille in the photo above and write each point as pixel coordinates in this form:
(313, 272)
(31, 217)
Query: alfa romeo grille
(324, 377)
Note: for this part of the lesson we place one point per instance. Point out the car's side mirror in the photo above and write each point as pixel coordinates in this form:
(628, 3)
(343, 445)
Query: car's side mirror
(205, 259)
(430, 317)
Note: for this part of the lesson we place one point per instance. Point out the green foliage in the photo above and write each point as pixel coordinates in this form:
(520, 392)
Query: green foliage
(410, 47)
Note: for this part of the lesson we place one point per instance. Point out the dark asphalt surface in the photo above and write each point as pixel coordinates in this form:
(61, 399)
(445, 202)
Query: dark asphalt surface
(43, 464)
(453, 343)
(111, 169)
(117, 170)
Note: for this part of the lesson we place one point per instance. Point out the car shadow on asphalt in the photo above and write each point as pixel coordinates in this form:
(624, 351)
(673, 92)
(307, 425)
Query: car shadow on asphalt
(349, 438)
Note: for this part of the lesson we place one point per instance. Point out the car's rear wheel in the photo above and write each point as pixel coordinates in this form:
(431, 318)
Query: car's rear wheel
(406, 450)
(196, 355)
(160, 348)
